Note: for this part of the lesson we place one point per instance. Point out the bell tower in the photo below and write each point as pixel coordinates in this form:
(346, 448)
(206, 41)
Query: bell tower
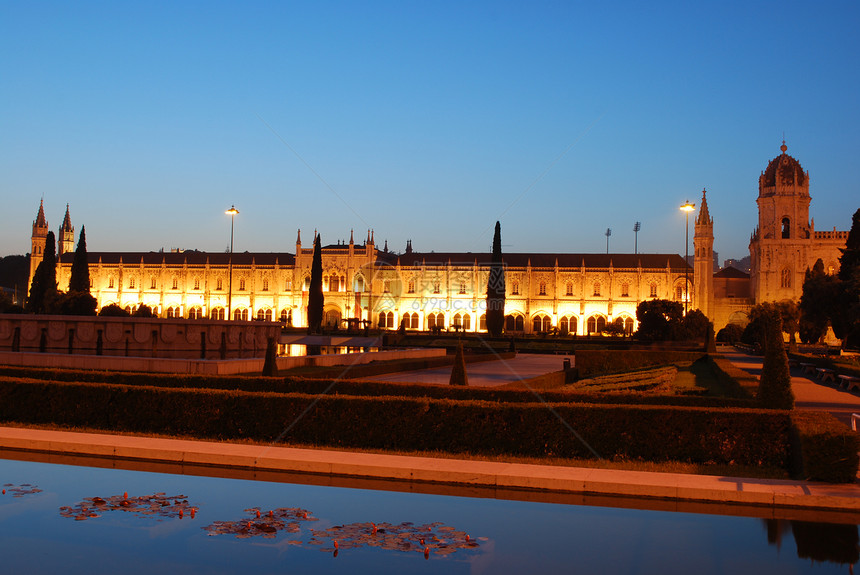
(66, 237)
(703, 262)
(778, 245)
(37, 240)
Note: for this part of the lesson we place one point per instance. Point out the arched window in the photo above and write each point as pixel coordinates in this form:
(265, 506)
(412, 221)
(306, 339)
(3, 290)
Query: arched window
(240, 314)
(542, 288)
(567, 325)
(436, 286)
(217, 313)
(679, 292)
(596, 324)
(264, 314)
(334, 283)
(786, 228)
(175, 283)
(413, 321)
(152, 282)
(195, 312)
(435, 321)
(653, 289)
(625, 289)
(785, 278)
(286, 316)
(129, 309)
(386, 286)
(265, 284)
(515, 287)
(541, 324)
(174, 312)
(462, 287)
(306, 285)
(569, 289)
(462, 321)
(110, 282)
(482, 322)
(628, 325)
(410, 287)
(358, 284)
(514, 322)
(196, 283)
(242, 284)
(130, 283)
(219, 284)
(386, 319)
(596, 289)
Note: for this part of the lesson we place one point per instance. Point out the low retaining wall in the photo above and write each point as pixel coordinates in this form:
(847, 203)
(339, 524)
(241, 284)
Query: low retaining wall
(135, 337)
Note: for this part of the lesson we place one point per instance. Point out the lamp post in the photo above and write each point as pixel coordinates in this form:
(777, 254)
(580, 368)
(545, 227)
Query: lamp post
(687, 208)
(232, 213)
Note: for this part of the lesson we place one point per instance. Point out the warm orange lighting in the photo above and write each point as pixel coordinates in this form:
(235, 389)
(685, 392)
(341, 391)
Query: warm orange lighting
(688, 207)
(232, 211)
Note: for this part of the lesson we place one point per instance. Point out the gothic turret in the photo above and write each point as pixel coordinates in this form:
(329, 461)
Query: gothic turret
(66, 237)
(38, 239)
(703, 260)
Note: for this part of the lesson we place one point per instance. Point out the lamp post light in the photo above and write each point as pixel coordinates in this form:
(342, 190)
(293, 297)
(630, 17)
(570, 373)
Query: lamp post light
(687, 208)
(232, 213)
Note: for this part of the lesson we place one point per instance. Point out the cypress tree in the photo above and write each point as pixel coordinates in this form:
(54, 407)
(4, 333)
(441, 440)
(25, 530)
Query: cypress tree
(496, 288)
(774, 390)
(315, 292)
(80, 280)
(850, 258)
(458, 371)
(44, 286)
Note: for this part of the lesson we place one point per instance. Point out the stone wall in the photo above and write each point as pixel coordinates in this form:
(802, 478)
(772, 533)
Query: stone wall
(135, 337)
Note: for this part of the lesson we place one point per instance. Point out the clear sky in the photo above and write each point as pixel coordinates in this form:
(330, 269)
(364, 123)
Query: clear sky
(422, 120)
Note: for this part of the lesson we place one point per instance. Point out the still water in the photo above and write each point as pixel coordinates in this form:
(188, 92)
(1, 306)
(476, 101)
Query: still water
(77, 519)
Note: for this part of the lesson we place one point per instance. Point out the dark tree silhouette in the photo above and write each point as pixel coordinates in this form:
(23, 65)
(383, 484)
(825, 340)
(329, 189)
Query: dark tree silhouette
(44, 286)
(820, 292)
(659, 319)
(80, 279)
(850, 258)
(315, 291)
(496, 288)
(774, 389)
(458, 370)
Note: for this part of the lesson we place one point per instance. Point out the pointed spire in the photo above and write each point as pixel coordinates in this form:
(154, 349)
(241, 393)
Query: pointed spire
(351, 241)
(40, 218)
(385, 249)
(704, 218)
(67, 221)
(371, 237)
(299, 237)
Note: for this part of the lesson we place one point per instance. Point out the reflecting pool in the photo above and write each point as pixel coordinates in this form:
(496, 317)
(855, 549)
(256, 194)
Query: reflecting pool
(57, 518)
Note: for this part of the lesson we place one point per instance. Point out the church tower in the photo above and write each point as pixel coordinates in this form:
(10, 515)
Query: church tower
(66, 237)
(38, 239)
(703, 262)
(779, 244)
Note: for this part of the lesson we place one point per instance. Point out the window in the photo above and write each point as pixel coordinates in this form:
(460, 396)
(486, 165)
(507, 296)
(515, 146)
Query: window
(386, 319)
(174, 312)
(679, 292)
(596, 288)
(515, 288)
(219, 285)
(217, 313)
(195, 313)
(625, 289)
(359, 284)
(596, 324)
(386, 286)
(482, 322)
(462, 287)
(264, 315)
(334, 283)
(175, 283)
(514, 323)
(265, 284)
(785, 278)
(541, 324)
(240, 314)
(786, 228)
(242, 284)
(288, 285)
(653, 289)
(436, 321)
(542, 288)
(410, 287)
(110, 282)
(462, 321)
(410, 320)
(130, 283)
(436, 286)
(569, 289)
(152, 283)
(567, 325)
(306, 286)
(196, 283)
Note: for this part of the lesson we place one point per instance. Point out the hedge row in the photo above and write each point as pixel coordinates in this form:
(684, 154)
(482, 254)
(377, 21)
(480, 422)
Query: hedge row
(375, 368)
(823, 448)
(363, 388)
(600, 362)
(649, 433)
(734, 380)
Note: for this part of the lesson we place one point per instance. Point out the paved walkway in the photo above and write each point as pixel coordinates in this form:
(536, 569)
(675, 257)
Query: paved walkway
(485, 373)
(469, 474)
(808, 392)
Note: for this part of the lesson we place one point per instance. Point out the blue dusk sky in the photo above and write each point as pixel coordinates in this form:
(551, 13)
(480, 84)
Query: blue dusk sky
(426, 121)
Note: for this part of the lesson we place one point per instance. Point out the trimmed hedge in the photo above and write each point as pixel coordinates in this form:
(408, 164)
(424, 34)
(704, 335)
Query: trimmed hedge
(601, 362)
(362, 388)
(734, 380)
(650, 433)
(823, 448)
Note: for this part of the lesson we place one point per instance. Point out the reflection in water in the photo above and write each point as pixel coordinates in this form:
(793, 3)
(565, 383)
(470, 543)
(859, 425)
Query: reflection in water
(822, 542)
(158, 505)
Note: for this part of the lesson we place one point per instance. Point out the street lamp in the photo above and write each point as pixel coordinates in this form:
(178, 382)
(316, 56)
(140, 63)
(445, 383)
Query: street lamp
(687, 208)
(232, 213)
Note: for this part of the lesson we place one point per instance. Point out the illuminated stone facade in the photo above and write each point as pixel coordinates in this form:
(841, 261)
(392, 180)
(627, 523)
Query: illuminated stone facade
(564, 292)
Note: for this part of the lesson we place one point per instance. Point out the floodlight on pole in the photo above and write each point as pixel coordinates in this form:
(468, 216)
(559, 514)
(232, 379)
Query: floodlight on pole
(636, 227)
(608, 233)
(687, 208)
(232, 213)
